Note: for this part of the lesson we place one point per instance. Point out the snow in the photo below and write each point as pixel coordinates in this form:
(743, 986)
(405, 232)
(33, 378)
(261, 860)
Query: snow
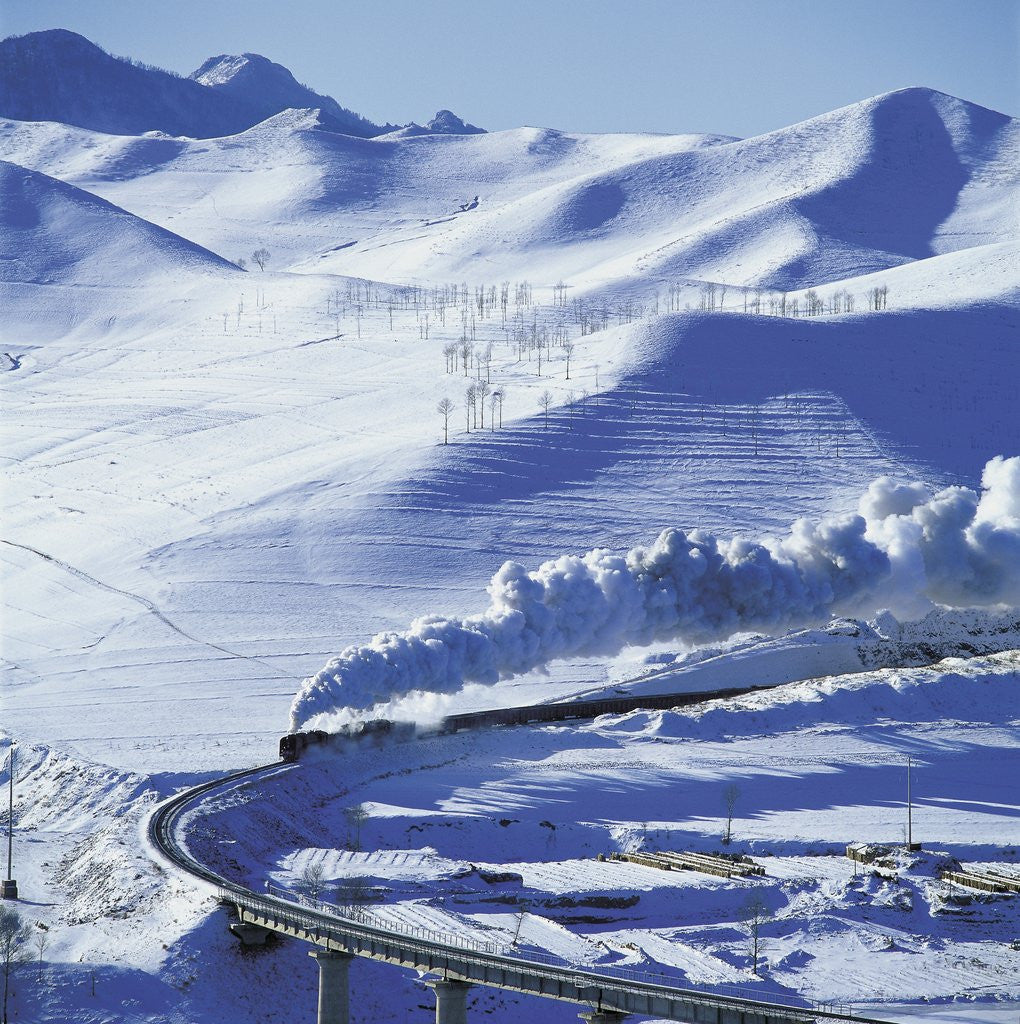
(215, 481)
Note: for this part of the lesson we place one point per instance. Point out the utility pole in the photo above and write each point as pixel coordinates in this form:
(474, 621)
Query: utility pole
(910, 811)
(9, 887)
(520, 921)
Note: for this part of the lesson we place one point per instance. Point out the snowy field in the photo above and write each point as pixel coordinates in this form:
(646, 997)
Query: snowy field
(216, 480)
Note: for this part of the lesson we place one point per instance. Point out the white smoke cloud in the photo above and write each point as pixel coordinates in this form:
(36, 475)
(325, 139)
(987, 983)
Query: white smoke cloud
(955, 548)
(904, 550)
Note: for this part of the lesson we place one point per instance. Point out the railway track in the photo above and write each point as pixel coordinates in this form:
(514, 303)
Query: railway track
(161, 826)
(433, 952)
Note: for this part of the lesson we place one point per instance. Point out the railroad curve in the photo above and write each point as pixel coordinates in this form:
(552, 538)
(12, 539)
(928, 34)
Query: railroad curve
(353, 933)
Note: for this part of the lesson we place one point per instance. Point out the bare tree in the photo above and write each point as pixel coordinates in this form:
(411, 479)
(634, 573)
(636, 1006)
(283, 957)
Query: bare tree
(14, 935)
(568, 351)
(497, 396)
(754, 914)
(261, 257)
(241, 262)
(469, 404)
(482, 391)
(312, 877)
(466, 348)
(731, 794)
(450, 352)
(353, 892)
(444, 409)
(545, 400)
(356, 817)
(41, 942)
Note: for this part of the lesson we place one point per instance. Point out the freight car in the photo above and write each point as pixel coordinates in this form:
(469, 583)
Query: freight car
(568, 710)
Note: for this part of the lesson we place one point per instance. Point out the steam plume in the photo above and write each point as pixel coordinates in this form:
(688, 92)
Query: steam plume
(904, 550)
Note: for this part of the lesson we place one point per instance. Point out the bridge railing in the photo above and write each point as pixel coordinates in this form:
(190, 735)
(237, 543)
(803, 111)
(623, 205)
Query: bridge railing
(586, 975)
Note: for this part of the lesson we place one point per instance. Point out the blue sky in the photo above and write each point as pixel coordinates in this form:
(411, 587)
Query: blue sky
(737, 67)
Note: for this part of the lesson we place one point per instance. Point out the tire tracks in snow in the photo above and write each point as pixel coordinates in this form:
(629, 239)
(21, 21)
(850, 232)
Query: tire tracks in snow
(148, 605)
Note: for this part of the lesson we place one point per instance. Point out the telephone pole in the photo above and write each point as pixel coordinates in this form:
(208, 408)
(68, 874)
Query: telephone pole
(910, 811)
(9, 887)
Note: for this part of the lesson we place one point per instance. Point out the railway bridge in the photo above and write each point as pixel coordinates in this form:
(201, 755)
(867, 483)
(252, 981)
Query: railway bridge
(453, 964)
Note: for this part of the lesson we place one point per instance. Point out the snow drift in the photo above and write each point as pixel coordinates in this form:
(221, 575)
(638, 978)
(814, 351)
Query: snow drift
(904, 550)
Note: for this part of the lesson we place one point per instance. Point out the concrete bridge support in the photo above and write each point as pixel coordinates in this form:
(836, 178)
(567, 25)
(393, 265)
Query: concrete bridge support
(451, 1001)
(334, 986)
(250, 934)
(603, 1016)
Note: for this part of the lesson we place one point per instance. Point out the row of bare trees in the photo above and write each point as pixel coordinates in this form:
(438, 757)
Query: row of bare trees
(760, 300)
(475, 398)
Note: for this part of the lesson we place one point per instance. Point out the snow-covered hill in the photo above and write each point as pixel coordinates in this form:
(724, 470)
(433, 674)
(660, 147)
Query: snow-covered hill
(216, 480)
(54, 233)
(900, 177)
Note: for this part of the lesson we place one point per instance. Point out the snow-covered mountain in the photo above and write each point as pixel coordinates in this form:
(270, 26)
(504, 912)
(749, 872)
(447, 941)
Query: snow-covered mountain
(902, 176)
(446, 122)
(267, 88)
(60, 76)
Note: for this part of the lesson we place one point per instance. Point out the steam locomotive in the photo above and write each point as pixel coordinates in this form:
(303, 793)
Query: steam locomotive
(294, 744)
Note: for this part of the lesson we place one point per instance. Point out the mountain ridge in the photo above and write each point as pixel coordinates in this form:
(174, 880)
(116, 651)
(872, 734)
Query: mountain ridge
(61, 76)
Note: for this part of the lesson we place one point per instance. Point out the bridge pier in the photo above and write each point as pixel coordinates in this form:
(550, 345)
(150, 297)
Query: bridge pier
(250, 934)
(334, 986)
(451, 1001)
(603, 1016)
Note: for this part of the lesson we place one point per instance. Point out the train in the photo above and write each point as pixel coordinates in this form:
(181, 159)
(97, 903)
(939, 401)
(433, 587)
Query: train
(294, 744)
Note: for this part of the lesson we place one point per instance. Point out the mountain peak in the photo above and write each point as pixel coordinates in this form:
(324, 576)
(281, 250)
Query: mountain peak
(270, 88)
(446, 122)
(912, 99)
(54, 37)
(231, 70)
